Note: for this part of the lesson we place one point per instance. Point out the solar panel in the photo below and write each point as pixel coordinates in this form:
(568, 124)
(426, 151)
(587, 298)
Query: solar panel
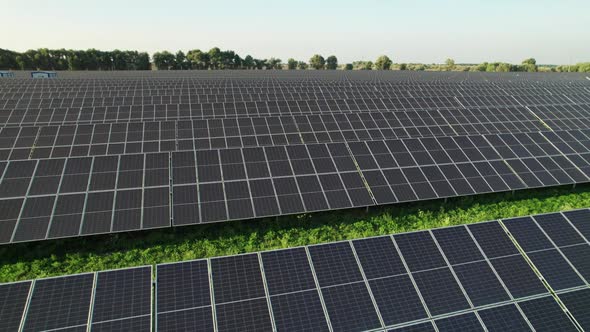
(58, 303)
(123, 296)
(504, 318)
(13, 299)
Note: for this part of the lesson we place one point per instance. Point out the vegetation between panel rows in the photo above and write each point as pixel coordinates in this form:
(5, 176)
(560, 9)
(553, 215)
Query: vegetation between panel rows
(76, 255)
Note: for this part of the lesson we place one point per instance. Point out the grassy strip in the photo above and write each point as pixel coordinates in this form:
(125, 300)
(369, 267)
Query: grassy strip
(59, 257)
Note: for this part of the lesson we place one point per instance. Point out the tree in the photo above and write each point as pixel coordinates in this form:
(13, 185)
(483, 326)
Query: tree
(291, 64)
(198, 59)
(403, 66)
(529, 65)
(302, 65)
(482, 66)
(181, 61)
(317, 62)
(260, 63)
(8, 59)
(248, 62)
(164, 60)
(274, 63)
(450, 64)
(331, 62)
(348, 66)
(215, 58)
(383, 63)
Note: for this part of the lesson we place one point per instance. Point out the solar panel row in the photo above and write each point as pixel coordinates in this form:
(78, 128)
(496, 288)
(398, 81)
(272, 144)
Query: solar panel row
(100, 139)
(468, 277)
(106, 300)
(89, 195)
(171, 112)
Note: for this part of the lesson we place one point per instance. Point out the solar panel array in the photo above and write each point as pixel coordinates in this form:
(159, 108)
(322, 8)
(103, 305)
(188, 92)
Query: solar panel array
(515, 274)
(91, 155)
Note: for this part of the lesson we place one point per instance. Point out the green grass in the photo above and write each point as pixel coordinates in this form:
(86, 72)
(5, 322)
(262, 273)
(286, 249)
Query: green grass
(59, 257)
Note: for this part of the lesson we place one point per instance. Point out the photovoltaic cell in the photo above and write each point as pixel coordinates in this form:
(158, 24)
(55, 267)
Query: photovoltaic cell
(503, 318)
(300, 311)
(465, 322)
(555, 269)
(378, 257)
(182, 286)
(420, 251)
(528, 235)
(546, 315)
(558, 229)
(457, 245)
(237, 278)
(287, 271)
(122, 293)
(518, 277)
(492, 239)
(249, 315)
(350, 308)
(397, 299)
(578, 257)
(335, 264)
(135, 324)
(47, 311)
(581, 220)
(578, 303)
(199, 319)
(480, 283)
(422, 327)
(440, 291)
(13, 298)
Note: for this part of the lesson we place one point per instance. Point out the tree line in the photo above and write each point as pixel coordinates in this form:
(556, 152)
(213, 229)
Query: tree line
(215, 58)
(62, 59)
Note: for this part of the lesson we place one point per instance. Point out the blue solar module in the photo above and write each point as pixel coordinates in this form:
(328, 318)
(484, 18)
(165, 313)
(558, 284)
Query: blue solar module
(300, 311)
(492, 239)
(459, 323)
(379, 257)
(518, 276)
(578, 257)
(13, 298)
(287, 271)
(559, 229)
(249, 315)
(198, 319)
(578, 303)
(480, 283)
(504, 318)
(457, 245)
(555, 269)
(581, 220)
(422, 327)
(335, 264)
(528, 235)
(545, 314)
(440, 291)
(47, 310)
(236, 278)
(350, 307)
(397, 299)
(182, 286)
(419, 251)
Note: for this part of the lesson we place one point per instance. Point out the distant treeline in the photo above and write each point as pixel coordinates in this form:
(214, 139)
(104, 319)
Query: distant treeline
(62, 59)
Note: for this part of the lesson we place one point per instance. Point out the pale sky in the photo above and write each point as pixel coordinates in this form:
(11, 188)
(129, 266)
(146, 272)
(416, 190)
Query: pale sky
(552, 31)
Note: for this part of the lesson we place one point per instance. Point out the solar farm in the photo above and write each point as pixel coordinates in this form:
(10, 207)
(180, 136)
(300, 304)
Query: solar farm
(90, 156)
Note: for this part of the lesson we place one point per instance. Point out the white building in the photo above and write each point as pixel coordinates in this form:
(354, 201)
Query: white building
(43, 74)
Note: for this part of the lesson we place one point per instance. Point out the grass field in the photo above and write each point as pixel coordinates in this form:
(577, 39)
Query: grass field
(83, 254)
